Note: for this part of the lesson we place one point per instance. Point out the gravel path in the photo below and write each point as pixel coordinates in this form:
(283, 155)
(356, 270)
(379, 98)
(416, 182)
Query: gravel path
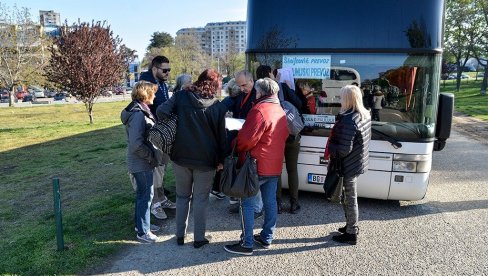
(442, 234)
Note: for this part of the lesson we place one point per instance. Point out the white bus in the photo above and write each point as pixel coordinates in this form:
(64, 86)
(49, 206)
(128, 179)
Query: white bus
(393, 45)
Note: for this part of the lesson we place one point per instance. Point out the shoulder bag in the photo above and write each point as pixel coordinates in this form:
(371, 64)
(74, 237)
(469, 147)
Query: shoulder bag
(333, 182)
(162, 135)
(243, 182)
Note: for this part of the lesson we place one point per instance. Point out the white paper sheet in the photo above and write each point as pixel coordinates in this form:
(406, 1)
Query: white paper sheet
(233, 124)
(286, 74)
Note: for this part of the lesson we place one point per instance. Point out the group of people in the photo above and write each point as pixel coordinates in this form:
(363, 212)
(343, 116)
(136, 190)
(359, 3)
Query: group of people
(202, 142)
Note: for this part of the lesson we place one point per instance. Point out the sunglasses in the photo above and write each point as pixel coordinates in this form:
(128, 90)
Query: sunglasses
(164, 70)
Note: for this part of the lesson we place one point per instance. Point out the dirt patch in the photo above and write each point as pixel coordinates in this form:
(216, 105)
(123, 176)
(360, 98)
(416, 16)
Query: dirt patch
(473, 127)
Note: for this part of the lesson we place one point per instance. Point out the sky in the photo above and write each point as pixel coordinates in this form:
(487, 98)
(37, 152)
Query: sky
(135, 21)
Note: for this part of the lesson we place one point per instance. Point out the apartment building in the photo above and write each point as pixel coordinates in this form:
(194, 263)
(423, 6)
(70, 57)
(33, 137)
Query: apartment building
(219, 38)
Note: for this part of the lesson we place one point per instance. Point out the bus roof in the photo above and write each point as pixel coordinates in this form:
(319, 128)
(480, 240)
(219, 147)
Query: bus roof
(404, 26)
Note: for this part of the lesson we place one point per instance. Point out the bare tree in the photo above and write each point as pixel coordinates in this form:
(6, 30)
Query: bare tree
(86, 60)
(23, 52)
(189, 54)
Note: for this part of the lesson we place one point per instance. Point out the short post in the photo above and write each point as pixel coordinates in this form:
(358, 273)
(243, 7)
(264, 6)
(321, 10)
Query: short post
(57, 214)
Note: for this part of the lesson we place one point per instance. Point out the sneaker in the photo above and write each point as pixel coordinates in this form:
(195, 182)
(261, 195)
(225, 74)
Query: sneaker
(346, 238)
(217, 195)
(238, 249)
(233, 200)
(148, 237)
(259, 240)
(158, 211)
(168, 204)
(152, 228)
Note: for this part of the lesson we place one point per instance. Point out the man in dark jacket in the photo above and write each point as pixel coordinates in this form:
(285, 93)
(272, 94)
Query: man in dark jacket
(158, 73)
(242, 104)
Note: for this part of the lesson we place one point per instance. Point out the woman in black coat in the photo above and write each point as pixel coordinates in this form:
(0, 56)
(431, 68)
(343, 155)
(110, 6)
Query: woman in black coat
(348, 146)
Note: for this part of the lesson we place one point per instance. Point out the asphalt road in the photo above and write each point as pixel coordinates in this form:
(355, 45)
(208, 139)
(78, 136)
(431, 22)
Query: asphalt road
(444, 234)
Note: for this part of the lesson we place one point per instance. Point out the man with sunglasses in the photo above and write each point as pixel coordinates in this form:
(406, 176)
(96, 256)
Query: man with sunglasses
(158, 73)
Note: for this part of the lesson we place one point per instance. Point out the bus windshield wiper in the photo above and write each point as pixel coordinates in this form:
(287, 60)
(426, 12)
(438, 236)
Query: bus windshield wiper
(394, 142)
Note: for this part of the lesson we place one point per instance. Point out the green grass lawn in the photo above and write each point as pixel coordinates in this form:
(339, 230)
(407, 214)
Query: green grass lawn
(46, 142)
(468, 100)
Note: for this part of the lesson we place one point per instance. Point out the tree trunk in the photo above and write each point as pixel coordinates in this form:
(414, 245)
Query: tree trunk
(89, 109)
(484, 83)
(90, 114)
(11, 98)
(458, 80)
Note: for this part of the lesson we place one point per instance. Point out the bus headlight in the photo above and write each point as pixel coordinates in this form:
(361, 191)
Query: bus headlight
(404, 166)
(411, 163)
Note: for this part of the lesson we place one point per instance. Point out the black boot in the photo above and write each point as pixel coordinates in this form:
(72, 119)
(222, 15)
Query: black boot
(343, 229)
(346, 238)
(280, 205)
(294, 206)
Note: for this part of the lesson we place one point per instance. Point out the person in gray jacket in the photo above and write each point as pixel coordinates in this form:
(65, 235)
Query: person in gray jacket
(348, 147)
(142, 156)
(198, 151)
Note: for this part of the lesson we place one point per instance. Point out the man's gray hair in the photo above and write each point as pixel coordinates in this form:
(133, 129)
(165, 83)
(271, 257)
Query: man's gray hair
(267, 86)
(244, 73)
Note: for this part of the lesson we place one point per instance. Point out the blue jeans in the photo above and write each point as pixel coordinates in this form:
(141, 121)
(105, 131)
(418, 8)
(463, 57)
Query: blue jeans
(144, 194)
(268, 195)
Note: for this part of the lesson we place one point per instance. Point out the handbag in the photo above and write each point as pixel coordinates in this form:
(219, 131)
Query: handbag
(333, 182)
(243, 182)
(162, 135)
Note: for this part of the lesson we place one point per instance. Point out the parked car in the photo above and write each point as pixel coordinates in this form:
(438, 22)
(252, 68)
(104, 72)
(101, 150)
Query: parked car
(480, 75)
(50, 93)
(20, 95)
(454, 76)
(28, 98)
(60, 97)
(3, 96)
(119, 90)
(36, 91)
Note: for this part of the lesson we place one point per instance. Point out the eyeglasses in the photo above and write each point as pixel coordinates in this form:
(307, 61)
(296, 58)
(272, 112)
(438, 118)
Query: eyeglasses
(164, 69)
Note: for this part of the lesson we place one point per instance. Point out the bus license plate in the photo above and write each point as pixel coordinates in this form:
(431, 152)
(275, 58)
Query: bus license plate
(316, 178)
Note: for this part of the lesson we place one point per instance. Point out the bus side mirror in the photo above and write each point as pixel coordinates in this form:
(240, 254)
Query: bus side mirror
(444, 120)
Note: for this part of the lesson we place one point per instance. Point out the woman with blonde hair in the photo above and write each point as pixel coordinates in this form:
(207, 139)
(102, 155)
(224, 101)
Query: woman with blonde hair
(142, 156)
(348, 148)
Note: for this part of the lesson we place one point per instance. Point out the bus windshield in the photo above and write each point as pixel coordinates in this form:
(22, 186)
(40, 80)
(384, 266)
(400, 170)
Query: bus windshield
(398, 88)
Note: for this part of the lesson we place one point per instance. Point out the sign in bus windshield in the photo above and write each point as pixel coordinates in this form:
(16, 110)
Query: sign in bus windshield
(308, 66)
(318, 121)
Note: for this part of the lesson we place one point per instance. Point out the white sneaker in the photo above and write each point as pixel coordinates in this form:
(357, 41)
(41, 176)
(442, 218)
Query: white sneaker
(153, 228)
(233, 200)
(148, 237)
(167, 204)
(158, 212)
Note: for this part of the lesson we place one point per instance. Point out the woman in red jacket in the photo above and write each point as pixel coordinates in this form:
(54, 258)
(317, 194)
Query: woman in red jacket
(263, 135)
